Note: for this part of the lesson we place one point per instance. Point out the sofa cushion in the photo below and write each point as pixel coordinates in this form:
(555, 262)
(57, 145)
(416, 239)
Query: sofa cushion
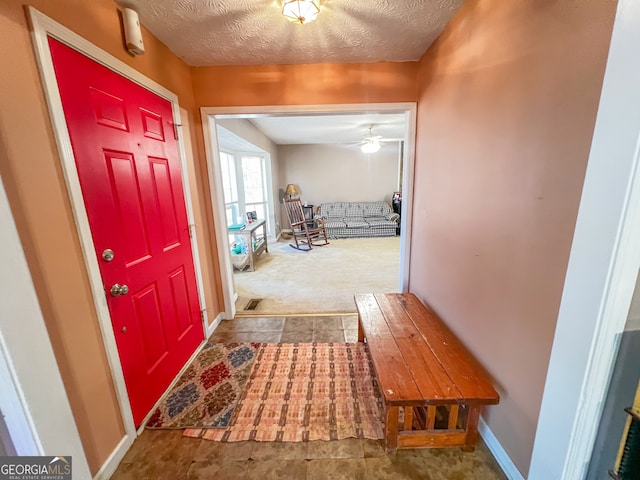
(336, 211)
(375, 221)
(376, 209)
(334, 223)
(354, 210)
(356, 222)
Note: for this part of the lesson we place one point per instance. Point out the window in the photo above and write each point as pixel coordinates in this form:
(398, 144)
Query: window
(230, 188)
(245, 179)
(255, 185)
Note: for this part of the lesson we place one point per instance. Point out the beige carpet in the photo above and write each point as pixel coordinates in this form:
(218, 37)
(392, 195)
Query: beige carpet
(323, 280)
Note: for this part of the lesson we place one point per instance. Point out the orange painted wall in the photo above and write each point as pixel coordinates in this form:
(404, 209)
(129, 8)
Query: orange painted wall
(304, 84)
(507, 103)
(31, 172)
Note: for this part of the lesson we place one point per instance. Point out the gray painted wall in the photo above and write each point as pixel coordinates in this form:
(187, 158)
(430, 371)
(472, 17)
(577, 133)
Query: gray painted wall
(633, 319)
(622, 391)
(6, 447)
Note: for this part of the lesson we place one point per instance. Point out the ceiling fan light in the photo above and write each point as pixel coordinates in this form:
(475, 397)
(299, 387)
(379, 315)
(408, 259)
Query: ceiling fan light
(370, 146)
(300, 11)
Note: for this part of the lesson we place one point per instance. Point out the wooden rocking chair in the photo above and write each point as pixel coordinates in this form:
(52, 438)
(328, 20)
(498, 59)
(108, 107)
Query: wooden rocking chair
(303, 233)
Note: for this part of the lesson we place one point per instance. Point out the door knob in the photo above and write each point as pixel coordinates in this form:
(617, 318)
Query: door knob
(108, 255)
(117, 290)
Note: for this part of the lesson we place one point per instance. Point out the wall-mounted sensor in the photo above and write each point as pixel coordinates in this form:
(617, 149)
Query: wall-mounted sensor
(132, 31)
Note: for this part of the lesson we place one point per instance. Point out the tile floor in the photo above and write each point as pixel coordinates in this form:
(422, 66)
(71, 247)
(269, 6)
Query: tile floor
(288, 329)
(167, 455)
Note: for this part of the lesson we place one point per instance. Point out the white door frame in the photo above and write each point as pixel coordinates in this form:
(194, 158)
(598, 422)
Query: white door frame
(602, 269)
(215, 182)
(42, 28)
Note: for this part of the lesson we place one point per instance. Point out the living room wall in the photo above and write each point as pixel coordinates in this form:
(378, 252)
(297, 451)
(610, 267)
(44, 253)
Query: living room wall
(339, 173)
(507, 101)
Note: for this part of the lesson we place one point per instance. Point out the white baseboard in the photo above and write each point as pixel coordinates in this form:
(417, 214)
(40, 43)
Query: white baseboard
(499, 453)
(111, 464)
(214, 325)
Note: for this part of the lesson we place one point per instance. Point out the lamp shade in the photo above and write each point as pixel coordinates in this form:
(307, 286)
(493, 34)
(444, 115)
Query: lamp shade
(300, 11)
(291, 190)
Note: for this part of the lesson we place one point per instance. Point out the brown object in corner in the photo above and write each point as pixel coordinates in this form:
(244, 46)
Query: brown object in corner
(432, 387)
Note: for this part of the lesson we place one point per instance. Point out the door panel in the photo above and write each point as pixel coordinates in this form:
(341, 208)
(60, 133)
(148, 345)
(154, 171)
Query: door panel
(128, 207)
(109, 110)
(165, 202)
(152, 125)
(180, 297)
(129, 170)
(152, 330)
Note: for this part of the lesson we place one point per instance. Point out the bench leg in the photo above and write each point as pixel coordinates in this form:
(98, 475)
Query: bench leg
(472, 429)
(391, 429)
(408, 418)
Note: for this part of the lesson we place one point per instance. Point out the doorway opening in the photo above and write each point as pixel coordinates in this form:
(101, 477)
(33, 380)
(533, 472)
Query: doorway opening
(310, 162)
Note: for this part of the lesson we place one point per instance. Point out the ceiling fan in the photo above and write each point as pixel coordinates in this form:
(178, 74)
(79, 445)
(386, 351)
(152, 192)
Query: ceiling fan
(371, 143)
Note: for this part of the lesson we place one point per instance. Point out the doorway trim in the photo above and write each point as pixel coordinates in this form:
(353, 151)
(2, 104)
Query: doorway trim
(43, 27)
(209, 114)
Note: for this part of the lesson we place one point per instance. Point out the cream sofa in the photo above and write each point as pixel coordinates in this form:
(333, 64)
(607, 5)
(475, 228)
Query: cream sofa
(358, 219)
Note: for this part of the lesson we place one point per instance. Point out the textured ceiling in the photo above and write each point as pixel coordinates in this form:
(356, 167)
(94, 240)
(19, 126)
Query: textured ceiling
(334, 129)
(253, 32)
(337, 129)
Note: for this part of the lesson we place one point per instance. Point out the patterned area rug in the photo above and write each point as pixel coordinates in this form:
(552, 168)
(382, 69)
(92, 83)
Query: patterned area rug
(208, 391)
(306, 391)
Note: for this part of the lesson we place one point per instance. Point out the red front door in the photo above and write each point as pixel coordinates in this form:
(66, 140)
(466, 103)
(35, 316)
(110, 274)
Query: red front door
(129, 169)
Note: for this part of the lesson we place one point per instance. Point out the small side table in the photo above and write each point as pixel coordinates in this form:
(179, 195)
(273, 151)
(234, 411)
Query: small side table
(308, 214)
(255, 245)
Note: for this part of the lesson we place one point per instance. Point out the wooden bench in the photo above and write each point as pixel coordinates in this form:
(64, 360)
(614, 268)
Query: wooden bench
(432, 387)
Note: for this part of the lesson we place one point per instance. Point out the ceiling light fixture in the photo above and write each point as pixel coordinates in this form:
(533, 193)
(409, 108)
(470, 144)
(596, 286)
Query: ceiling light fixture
(370, 145)
(301, 11)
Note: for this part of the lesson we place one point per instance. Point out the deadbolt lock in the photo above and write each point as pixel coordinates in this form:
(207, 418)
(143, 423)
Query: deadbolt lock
(107, 255)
